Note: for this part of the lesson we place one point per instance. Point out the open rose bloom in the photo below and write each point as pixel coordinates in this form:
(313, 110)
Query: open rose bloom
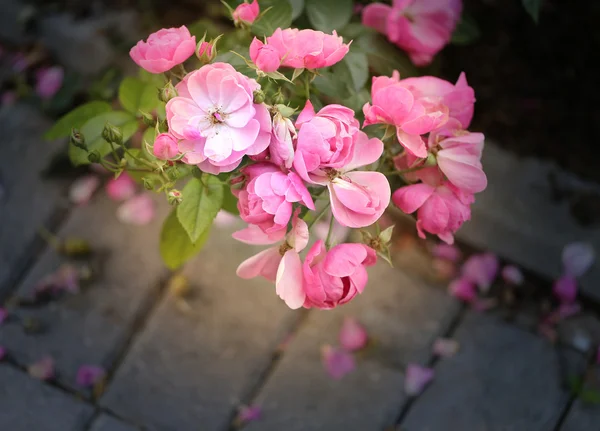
(261, 140)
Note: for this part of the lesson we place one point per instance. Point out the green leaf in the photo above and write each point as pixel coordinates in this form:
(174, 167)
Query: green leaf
(533, 8)
(358, 67)
(75, 119)
(92, 130)
(329, 15)
(200, 205)
(229, 201)
(204, 25)
(175, 245)
(466, 31)
(278, 15)
(297, 73)
(297, 8)
(136, 95)
(383, 57)
(590, 396)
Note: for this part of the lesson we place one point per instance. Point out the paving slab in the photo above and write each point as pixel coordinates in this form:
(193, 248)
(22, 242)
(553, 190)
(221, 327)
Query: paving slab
(196, 360)
(502, 378)
(27, 404)
(402, 316)
(517, 217)
(90, 327)
(109, 423)
(582, 417)
(26, 200)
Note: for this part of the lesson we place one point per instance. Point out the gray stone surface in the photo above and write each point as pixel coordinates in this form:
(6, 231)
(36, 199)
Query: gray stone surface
(26, 200)
(582, 417)
(517, 218)
(27, 405)
(402, 316)
(502, 379)
(196, 360)
(11, 21)
(90, 327)
(581, 332)
(108, 423)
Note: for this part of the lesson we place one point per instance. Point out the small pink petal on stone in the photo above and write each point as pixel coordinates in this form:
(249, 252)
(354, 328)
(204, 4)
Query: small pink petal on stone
(512, 275)
(447, 252)
(577, 258)
(445, 347)
(463, 289)
(337, 362)
(249, 414)
(89, 375)
(481, 269)
(42, 369)
(83, 188)
(2, 352)
(3, 315)
(139, 210)
(565, 289)
(353, 336)
(416, 378)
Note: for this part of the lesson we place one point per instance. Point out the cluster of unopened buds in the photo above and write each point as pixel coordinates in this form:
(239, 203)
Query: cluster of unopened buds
(290, 169)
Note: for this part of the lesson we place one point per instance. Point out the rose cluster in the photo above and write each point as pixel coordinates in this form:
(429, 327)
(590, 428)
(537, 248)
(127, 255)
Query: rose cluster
(287, 170)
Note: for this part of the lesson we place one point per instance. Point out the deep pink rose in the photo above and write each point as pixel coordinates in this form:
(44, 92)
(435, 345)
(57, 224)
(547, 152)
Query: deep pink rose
(267, 198)
(334, 277)
(164, 49)
(48, 81)
(420, 27)
(246, 12)
(216, 118)
(266, 57)
(307, 48)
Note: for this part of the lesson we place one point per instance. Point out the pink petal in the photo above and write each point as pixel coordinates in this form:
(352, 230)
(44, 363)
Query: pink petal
(337, 362)
(42, 369)
(565, 289)
(375, 15)
(512, 275)
(445, 347)
(416, 378)
(264, 264)
(255, 236)
(411, 198)
(288, 284)
(249, 414)
(353, 336)
(414, 144)
(446, 252)
(83, 188)
(366, 151)
(577, 258)
(139, 210)
(121, 188)
(89, 375)
(481, 269)
(463, 289)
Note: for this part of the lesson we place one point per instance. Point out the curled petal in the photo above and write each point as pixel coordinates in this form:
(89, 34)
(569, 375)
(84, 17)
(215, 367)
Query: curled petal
(288, 284)
(264, 264)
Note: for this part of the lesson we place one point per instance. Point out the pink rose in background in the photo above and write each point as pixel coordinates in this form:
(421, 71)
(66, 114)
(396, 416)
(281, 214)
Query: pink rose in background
(165, 147)
(441, 210)
(164, 49)
(412, 116)
(267, 198)
(122, 188)
(139, 210)
(334, 277)
(307, 48)
(280, 264)
(48, 81)
(217, 120)
(281, 148)
(246, 12)
(420, 27)
(266, 57)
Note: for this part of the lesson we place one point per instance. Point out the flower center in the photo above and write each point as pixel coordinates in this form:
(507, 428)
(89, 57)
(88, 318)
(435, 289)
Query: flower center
(284, 248)
(332, 174)
(216, 118)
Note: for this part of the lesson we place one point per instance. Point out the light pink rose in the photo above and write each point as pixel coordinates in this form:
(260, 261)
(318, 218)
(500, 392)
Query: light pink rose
(281, 148)
(48, 81)
(420, 27)
(266, 57)
(412, 116)
(165, 147)
(246, 12)
(164, 49)
(280, 264)
(334, 277)
(122, 188)
(307, 48)
(267, 198)
(441, 209)
(216, 118)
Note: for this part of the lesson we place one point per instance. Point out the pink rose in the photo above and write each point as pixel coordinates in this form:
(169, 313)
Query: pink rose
(308, 49)
(216, 118)
(49, 81)
(420, 27)
(246, 13)
(441, 210)
(267, 198)
(334, 277)
(122, 188)
(206, 52)
(329, 146)
(280, 264)
(165, 147)
(413, 116)
(164, 49)
(265, 57)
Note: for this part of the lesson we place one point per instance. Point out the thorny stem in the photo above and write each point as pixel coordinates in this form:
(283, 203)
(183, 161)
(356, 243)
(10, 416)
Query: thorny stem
(328, 240)
(318, 217)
